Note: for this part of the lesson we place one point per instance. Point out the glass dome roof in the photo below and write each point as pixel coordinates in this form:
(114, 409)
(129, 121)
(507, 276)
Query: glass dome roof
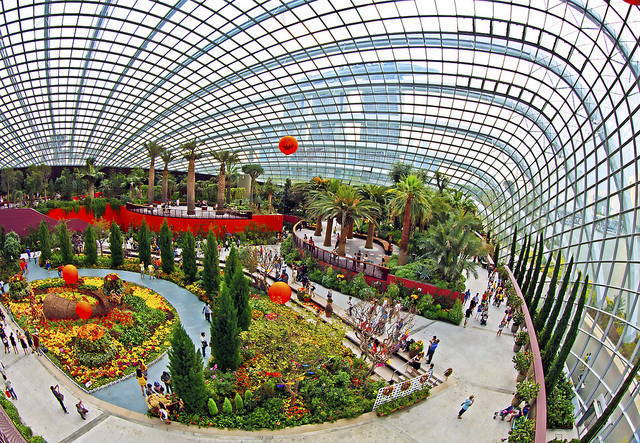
(532, 106)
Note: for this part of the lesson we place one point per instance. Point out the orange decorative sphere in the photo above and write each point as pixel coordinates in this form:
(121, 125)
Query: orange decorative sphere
(280, 292)
(288, 145)
(70, 274)
(83, 309)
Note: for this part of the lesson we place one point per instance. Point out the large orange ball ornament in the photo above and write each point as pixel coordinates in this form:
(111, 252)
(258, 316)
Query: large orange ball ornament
(288, 145)
(83, 309)
(70, 274)
(280, 292)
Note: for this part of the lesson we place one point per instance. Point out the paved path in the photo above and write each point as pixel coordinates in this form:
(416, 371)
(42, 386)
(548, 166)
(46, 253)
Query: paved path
(481, 364)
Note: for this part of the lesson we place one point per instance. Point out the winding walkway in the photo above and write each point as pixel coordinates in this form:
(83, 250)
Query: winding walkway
(481, 365)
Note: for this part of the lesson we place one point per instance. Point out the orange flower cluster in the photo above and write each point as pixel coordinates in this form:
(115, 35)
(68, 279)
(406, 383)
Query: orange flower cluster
(91, 332)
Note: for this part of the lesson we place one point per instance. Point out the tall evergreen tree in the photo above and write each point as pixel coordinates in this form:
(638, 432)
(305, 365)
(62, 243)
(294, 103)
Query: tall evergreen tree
(45, 241)
(496, 253)
(189, 258)
(557, 367)
(144, 244)
(527, 279)
(512, 253)
(533, 283)
(240, 295)
(590, 436)
(66, 250)
(230, 265)
(185, 366)
(211, 267)
(538, 294)
(115, 245)
(90, 247)
(541, 318)
(551, 349)
(3, 237)
(551, 321)
(166, 248)
(225, 334)
(522, 260)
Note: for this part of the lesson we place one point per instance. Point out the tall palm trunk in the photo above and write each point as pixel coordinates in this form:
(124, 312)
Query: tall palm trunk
(228, 189)
(152, 180)
(342, 246)
(327, 235)
(269, 195)
(221, 188)
(318, 231)
(92, 189)
(131, 190)
(350, 231)
(369, 242)
(406, 227)
(165, 184)
(191, 186)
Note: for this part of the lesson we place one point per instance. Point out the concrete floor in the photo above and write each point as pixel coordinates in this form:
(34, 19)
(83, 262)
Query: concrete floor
(481, 364)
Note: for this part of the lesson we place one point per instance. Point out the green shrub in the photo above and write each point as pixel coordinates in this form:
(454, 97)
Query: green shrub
(226, 407)
(559, 406)
(403, 402)
(239, 404)
(213, 408)
(456, 315)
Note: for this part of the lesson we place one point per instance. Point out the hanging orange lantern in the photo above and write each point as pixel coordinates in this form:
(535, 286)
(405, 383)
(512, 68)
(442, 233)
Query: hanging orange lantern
(70, 274)
(288, 145)
(83, 309)
(280, 292)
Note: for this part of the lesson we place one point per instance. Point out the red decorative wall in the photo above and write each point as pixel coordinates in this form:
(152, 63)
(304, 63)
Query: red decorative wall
(425, 288)
(125, 219)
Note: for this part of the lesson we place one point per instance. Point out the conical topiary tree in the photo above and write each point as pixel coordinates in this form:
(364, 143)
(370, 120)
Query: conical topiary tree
(522, 260)
(225, 334)
(115, 246)
(239, 289)
(230, 265)
(211, 267)
(90, 247)
(533, 283)
(185, 366)
(64, 239)
(551, 321)
(144, 244)
(45, 242)
(551, 378)
(512, 253)
(527, 279)
(538, 294)
(541, 318)
(551, 349)
(189, 258)
(166, 248)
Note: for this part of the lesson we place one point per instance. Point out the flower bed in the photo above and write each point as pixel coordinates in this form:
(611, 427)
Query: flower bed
(101, 350)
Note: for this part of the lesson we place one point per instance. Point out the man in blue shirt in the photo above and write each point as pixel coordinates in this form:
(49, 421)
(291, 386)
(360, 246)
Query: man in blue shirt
(466, 405)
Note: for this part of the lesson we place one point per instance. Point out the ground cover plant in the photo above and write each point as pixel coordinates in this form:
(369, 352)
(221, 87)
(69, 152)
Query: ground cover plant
(294, 371)
(99, 350)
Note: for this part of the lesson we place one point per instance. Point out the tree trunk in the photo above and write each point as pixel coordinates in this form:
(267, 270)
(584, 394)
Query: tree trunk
(269, 201)
(131, 190)
(342, 246)
(92, 189)
(406, 227)
(327, 235)
(350, 231)
(228, 190)
(369, 243)
(221, 188)
(191, 186)
(165, 184)
(152, 180)
(253, 184)
(318, 231)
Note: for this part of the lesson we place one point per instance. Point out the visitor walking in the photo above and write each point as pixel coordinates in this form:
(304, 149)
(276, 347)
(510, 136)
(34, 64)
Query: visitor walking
(432, 349)
(142, 380)
(501, 327)
(36, 343)
(81, 410)
(23, 343)
(207, 312)
(142, 270)
(467, 314)
(162, 412)
(9, 388)
(48, 266)
(12, 339)
(59, 396)
(466, 405)
(166, 379)
(203, 344)
(5, 342)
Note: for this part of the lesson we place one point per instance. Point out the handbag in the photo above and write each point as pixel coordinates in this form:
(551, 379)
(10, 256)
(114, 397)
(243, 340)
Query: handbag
(8, 394)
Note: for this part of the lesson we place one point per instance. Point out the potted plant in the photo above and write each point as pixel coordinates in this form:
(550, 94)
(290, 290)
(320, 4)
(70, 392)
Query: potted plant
(513, 300)
(522, 362)
(523, 431)
(520, 339)
(525, 391)
(416, 348)
(518, 319)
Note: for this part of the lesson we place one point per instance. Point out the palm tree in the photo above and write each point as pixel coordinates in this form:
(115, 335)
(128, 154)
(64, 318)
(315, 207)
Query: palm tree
(226, 159)
(269, 188)
(442, 181)
(410, 199)
(167, 157)
(189, 153)
(135, 179)
(376, 194)
(345, 205)
(232, 175)
(254, 172)
(154, 149)
(91, 173)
